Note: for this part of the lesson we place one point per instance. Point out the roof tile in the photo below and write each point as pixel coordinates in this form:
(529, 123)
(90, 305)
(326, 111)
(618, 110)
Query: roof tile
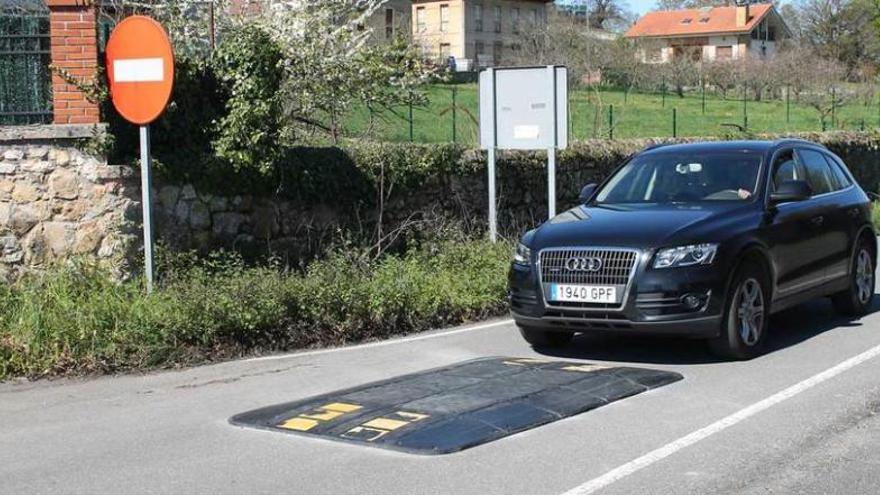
(721, 20)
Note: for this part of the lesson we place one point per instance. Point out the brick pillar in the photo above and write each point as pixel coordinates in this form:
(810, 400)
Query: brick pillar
(73, 31)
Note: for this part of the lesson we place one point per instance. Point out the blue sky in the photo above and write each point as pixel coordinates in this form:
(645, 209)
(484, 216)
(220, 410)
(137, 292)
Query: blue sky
(642, 6)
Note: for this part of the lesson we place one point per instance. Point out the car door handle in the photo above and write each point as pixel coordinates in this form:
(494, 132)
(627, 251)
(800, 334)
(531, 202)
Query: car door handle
(818, 221)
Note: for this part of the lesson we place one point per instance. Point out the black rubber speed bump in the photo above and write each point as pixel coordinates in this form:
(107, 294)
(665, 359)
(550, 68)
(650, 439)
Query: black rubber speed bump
(450, 409)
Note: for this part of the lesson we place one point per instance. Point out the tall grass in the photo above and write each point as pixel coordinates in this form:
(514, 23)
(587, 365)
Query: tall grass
(74, 318)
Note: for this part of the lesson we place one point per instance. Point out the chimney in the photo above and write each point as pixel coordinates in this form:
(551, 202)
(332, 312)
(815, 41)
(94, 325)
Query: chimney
(742, 14)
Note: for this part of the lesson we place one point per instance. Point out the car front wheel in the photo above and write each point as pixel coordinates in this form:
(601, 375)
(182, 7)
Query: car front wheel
(545, 338)
(857, 298)
(744, 327)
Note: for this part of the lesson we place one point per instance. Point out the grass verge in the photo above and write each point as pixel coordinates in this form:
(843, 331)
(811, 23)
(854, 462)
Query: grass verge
(635, 115)
(76, 319)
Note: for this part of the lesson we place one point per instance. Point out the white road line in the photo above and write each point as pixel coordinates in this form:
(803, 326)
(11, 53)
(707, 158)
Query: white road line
(383, 343)
(667, 450)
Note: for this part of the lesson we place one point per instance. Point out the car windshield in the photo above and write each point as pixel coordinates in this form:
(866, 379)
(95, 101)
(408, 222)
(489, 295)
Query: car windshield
(684, 178)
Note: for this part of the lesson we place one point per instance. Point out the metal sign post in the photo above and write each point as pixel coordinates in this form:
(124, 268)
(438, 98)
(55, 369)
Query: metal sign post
(523, 108)
(551, 152)
(146, 188)
(493, 205)
(493, 201)
(140, 72)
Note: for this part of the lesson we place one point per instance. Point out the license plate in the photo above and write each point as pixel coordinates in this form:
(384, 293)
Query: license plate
(583, 293)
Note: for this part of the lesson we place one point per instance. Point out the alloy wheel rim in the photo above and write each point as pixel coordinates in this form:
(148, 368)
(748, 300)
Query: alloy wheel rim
(750, 311)
(864, 276)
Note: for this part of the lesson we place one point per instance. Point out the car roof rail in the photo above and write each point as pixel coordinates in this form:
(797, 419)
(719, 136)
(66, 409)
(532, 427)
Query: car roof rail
(798, 141)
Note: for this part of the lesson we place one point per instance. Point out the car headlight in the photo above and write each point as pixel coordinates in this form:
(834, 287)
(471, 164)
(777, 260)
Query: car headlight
(695, 254)
(522, 254)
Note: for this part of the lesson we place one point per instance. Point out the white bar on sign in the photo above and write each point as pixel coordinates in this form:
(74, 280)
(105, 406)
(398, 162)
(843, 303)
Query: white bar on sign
(139, 70)
(526, 132)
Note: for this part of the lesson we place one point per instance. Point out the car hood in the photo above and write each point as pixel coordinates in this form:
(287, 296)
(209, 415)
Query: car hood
(642, 225)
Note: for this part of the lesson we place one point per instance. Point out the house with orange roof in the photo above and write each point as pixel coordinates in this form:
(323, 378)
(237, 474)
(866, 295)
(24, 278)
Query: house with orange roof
(710, 33)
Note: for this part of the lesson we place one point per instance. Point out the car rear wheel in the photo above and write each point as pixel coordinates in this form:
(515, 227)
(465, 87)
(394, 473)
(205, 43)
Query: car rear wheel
(545, 338)
(857, 298)
(744, 327)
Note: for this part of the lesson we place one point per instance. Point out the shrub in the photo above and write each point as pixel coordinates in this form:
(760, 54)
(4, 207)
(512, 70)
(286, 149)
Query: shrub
(76, 319)
(249, 63)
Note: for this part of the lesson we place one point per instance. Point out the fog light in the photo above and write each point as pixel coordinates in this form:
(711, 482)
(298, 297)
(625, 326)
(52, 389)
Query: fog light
(692, 301)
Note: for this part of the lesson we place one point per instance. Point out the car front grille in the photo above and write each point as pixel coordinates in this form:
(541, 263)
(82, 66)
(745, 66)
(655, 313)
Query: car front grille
(617, 268)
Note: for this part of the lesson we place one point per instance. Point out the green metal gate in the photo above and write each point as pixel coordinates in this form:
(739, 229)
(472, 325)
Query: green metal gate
(25, 78)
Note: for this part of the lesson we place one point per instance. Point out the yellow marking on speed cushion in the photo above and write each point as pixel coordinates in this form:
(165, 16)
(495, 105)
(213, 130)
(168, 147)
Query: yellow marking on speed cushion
(327, 412)
(341, 407)
(585, 368)
(299, 424)
(323, 415)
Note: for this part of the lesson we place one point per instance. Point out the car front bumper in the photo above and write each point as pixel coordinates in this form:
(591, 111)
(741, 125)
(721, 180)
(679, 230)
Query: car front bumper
(654, 303)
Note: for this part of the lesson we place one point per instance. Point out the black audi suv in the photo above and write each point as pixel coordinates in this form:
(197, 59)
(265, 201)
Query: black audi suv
(703, 240)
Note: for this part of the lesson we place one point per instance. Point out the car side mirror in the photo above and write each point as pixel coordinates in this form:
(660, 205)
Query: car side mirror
(587, 193)
(791, 190)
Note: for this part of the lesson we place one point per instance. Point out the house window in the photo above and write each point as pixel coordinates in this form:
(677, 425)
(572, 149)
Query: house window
(686, 20)
(479, 48)
(389, 23)
(478, 17)
(534, 16)
(497, 50)
(704, 20)
(723, 52)
(655, 55)
(496, 18)
(444, 17)
(514, 19)
(421, 20)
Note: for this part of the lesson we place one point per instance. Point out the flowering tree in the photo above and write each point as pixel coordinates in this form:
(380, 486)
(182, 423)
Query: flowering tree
(330, 64)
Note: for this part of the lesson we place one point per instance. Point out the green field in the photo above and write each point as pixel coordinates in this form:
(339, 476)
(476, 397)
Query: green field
(638, 115)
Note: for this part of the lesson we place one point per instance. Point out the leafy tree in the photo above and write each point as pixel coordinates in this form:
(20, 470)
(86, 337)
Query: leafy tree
(602, 14)
(843, 30)
(330, 66)
(249, 63)
(563, 40)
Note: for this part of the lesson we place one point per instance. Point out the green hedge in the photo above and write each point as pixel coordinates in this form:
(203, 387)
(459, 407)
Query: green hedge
(355, 168)
(76, 319)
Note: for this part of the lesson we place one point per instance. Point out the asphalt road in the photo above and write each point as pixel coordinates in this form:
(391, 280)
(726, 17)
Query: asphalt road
(801, 419)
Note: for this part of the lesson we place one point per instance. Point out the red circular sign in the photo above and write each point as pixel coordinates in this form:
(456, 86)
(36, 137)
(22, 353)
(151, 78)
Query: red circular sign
(140, 69)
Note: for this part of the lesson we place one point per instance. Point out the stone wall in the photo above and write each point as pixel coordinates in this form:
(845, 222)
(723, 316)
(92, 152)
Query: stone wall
(189, 218)
(57, 201)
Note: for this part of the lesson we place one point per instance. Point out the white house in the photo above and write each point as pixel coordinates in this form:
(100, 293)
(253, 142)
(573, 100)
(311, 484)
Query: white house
(710, 33)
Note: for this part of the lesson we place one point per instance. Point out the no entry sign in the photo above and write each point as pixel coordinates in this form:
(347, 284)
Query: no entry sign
(140, 69)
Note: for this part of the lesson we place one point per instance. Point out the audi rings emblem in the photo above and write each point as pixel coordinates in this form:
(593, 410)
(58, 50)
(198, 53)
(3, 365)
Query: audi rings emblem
(578, 264)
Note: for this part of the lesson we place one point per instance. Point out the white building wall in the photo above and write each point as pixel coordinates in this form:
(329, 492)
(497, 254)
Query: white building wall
(710, 50)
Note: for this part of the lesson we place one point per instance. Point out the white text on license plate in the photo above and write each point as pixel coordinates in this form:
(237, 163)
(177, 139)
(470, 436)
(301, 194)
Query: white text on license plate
(583, 293)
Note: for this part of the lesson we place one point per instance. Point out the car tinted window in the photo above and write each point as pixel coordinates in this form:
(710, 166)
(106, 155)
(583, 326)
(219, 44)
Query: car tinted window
(840, 175)
(819, 173)
(785, 168)
(684, 177)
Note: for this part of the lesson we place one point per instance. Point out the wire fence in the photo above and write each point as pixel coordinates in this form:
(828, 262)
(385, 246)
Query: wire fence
(25, 79)
(451, 114)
